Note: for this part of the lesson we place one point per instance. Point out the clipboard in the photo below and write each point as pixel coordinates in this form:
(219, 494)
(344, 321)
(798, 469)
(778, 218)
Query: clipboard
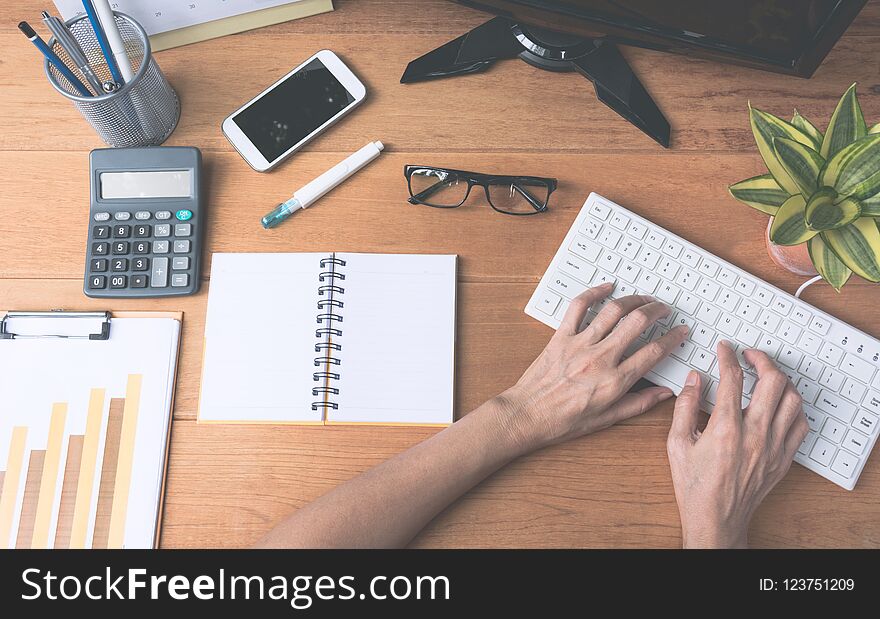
(46, 506)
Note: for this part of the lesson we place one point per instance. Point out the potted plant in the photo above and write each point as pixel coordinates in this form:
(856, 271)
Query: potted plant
(822, 191)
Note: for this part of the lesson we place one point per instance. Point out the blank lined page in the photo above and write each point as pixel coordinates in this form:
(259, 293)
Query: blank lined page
(398, 339)
(260, 339)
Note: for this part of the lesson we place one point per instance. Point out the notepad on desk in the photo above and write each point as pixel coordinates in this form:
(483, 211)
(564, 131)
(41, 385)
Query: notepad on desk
(318, 338)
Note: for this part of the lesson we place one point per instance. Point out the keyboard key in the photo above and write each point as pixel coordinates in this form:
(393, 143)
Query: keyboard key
(830, 354)
(708, 268)
(598, 209)
(831, 378)
(637, 230)
(728, 325)
(563, 308)
(629, 272)
(820, 325)
(790, 357)
(118, 281)
(181, 247)
(101, 232)
(708, 289)
(833, 430)
(560, 282)
(102, 216)
(728, 301)
(684, 350)
(703, 360)
(609, 238)
(769, 345)
(748, 335)
(727, 278)
(815, 419)
(807, 443)
(100, 249)
(708, 314)
(801, 316)
(179, 280)
(687, 279)
(591, 228)
(668, 293)
(668, 268)
(768, 321)
(808, 390)
(121, 232)
(159, 274)
(654, 239)
(810, 343)
(603, 278)
(690, 258)
(822, 452)
(745, 286)
(629, 249)
(828, 402)
(845, 464)
(857, 368)
(572, 265)
(139, 281)
(855, 442)
(647, 282)
(672, 370)
(122, 216)
(811, 368)
(789, 333)
(871, 401)
(866, 422)
(140, 264)
(97, 282)
(763, 296)
(119, 264)
(98, 265)
(688, 303)
(748, 311)
(672, 248)
(619, 220)
(853, 390)
(781, 305)
(648, 258)
(608, 262)
(683, 319)
(581, 245)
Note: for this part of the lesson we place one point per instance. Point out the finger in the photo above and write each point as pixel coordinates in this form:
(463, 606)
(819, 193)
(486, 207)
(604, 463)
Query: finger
(578, 307)
(635, 323)
(652, 353)
(796, 435)
(771, 384)
(611, 314)
(633, 404)
(687, 410)
(728, 404)
(791, 407)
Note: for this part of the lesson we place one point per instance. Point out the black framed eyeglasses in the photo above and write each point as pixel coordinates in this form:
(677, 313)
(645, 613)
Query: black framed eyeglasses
(448, 188)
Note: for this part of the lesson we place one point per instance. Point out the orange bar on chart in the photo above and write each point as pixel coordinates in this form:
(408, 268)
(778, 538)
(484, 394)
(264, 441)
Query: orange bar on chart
(79, 529)
(108, 473)
(9, 494)
(49, 482)
(68, 492)
(29, 501)
(126, 460)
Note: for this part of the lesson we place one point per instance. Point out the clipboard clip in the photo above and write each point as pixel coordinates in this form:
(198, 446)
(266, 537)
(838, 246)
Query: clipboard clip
(67, 334)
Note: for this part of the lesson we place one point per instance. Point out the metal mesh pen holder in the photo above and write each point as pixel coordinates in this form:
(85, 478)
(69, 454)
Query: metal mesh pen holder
(144, 110)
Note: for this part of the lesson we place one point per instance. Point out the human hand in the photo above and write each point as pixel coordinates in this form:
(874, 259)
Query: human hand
(721, 475)
(579, 383)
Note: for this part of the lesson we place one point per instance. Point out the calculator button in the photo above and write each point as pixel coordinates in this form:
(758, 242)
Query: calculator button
(179, 280)
(181, 247)
(159, 275)
(119, 264)
(140, 264)
(183, 230)
(118, 281)
(141, 247)
(184, 214)
(100, 249)
(121, 232)
(162, 230)
(122, 216)
(97, 282)
(163, 214)
(102, 216)
(98, 265)
(101, 232)
(142, 231)
(180, 263)
(138, 281)
(160, 247)
(142, 215)
(120, 247)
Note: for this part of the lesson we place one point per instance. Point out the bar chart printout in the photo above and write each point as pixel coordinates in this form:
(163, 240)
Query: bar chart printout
(84, 430)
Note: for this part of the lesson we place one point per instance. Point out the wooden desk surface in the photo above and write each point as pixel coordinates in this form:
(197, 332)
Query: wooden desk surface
(228, 485)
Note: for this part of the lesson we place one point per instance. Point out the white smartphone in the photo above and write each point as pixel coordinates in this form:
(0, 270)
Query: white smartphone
(284, 117)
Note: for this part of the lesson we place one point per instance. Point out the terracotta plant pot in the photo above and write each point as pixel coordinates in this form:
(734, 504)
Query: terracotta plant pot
(792, 258)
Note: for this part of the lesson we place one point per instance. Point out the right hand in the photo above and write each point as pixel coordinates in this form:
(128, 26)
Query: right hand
(722, 475)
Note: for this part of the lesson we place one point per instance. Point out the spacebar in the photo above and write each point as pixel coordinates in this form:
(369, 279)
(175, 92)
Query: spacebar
(673, 371)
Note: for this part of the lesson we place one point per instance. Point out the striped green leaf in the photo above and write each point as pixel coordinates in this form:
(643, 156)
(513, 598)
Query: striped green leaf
(858, 246)
(789, 227)
(765, 127)
(871, 206)
(802, 163)
(875, 129)
(855, 170)
(824, 211)
(827, 263)
(847, 124)
(760, 192)
(809, 129)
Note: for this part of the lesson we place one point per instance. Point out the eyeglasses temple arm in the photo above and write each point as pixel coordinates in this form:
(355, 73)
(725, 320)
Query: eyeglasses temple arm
(535, 204)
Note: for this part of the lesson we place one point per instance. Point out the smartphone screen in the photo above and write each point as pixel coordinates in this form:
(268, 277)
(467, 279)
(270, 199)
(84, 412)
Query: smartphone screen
(293, 109)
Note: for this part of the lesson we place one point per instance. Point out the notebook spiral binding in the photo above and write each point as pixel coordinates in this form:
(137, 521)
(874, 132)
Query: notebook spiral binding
(330, 320)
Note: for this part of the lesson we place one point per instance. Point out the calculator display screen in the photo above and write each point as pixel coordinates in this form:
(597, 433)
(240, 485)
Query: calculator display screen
(293, 109)
(154, 184)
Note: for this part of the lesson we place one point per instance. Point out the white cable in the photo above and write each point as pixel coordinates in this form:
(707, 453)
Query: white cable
(803, 287)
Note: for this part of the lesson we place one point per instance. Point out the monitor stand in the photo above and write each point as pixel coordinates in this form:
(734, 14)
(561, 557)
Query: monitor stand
(597, 59)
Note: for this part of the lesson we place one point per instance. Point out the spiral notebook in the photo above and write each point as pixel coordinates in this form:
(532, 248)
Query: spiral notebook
(329, 338)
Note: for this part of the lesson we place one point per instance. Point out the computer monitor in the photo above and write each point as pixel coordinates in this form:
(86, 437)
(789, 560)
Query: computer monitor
(784, 36)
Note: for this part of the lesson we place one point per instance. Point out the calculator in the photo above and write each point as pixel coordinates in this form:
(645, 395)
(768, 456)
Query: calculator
(146, 222)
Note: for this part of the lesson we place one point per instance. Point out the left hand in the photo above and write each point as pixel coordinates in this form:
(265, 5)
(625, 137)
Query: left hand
(579, 383)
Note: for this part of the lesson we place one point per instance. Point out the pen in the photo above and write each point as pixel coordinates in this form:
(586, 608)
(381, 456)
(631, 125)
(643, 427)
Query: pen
(40, 44)
(312, 192)
(111, 31)
(67, 41)
(102, 41)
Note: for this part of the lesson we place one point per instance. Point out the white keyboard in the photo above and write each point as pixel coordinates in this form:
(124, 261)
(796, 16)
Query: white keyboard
(833, 365)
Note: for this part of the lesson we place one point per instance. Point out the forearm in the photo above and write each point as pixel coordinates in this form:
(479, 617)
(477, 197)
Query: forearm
(389, 504)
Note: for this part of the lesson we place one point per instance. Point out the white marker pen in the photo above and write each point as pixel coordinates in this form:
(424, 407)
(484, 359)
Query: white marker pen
(312, 192)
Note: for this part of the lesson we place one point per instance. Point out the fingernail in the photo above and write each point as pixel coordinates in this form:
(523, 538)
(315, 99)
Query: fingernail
(726, 343)
(666, 395)
(692, 379)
